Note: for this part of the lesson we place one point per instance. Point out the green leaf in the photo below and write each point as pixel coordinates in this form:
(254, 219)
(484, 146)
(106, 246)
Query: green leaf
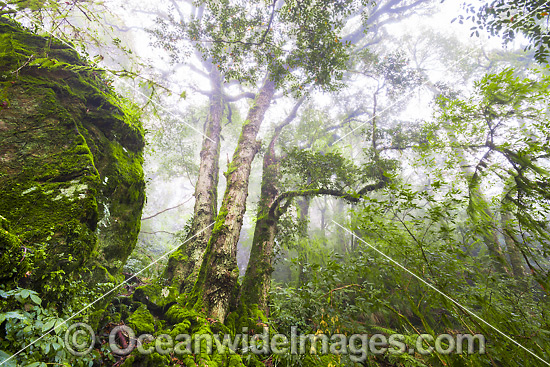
(46, 347)
(4, 356)
(36, 299)
(48, 325)
(25, 293)
(60, 322)
(12, 315)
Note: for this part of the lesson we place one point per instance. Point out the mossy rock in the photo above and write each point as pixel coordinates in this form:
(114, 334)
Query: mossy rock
(71, 178)
(147, 360)
(158, 298)
(141, 321)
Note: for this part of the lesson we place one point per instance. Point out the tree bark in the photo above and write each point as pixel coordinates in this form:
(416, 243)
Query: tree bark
(184, 264)
(257, 279)
(480, 211)
(303, 208)
(516, 258)
(219, 272)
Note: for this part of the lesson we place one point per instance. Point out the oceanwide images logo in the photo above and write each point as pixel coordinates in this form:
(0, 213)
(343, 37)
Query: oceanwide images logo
(80, 340)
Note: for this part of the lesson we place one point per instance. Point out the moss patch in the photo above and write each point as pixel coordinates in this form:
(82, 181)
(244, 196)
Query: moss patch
(157, 298)
(71, 179)
(141, 321)
(144, 360)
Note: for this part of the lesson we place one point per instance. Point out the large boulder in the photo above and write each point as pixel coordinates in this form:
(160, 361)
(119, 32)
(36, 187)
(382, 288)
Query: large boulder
(71, 178)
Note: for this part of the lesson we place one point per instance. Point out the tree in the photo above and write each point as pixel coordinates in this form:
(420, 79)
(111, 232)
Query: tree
(323, 171)
(184, 265)
(231, 38)
(503, 128)
(508, 18)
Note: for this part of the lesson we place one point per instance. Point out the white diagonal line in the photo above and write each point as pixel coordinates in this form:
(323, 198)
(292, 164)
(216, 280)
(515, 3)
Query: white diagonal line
(407, 95)
(443, 294)
(109, 292)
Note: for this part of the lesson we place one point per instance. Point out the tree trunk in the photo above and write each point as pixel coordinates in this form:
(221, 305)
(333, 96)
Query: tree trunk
(184, 264)
(516, 259)
(219, 272)
(257, 280)
(480, 212)
(483, 218)
(303, 208)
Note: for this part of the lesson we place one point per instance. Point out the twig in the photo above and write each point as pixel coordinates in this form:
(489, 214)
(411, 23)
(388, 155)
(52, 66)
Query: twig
(165, 210)
(340, 288)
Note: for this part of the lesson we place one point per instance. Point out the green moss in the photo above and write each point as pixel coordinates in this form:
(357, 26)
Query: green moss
(230, 169)
(71, 180)
(101, 274)
(196, 324)
(141, 321)
(246, 316)
(177, 314)
(151, 360)
(156, 297)
(95, 318)
(14, 260)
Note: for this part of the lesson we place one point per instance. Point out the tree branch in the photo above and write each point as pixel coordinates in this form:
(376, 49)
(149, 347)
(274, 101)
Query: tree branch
(200, 91)
(165, 210)
(155, 232)
(197, 70)
(351, 197)
(239, 96)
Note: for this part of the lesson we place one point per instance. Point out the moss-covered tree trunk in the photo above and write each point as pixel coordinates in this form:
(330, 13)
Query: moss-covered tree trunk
(219, 271)
(516, 258)
(480, 212)
(184, 265)
(257, 279)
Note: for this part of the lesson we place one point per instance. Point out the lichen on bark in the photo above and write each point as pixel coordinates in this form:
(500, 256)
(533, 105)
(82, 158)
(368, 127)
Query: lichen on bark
(219, 272)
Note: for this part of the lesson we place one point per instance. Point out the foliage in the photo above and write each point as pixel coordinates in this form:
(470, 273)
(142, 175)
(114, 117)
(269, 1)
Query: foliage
(392, 71)
(503, 129)
(38, 328)
(244, 39)
(428, 233)
(81, 24)
(500, 130)
(507, 18)
(317, 169)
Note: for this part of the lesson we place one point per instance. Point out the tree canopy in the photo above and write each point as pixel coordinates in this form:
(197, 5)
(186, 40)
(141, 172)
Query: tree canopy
(350, 169)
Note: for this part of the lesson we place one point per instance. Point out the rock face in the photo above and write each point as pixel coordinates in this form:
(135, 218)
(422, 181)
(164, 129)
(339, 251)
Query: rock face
(71, 179)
